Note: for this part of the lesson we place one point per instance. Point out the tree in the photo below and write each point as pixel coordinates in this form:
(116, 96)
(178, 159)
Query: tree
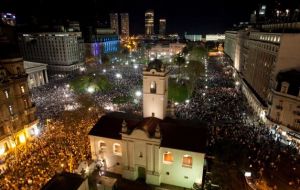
(148, 48)
(105, 59)
(185, 50)
(179, 60)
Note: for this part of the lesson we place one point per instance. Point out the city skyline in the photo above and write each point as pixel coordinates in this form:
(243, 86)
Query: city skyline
(209, 17)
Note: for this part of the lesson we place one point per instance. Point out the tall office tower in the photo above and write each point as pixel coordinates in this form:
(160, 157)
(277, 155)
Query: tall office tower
(124, 24)
(162, 26)
(114, 22)
(149, 22)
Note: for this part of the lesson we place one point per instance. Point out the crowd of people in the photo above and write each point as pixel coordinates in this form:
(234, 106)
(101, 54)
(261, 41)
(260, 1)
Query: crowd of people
(59, 147)
(218, 100)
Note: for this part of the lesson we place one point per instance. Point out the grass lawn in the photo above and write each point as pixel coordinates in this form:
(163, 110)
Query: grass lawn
(178, 92)
(121, 99)
(98, 83)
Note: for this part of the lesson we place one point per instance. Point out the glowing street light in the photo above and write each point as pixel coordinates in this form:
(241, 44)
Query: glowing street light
(176, 103)
(36, 131)
(135, 66)
(82, 69)
(187, 101)
(22, 138)
(104, 70)
(206, 87)
(203, 94)
(138, 93)
(118, 75)
(91, 89)
(247, 174)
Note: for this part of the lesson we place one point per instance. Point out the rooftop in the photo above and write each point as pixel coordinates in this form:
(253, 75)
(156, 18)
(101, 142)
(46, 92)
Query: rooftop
(192, 134)
(65, 180)
(156, 64)
(293, 78)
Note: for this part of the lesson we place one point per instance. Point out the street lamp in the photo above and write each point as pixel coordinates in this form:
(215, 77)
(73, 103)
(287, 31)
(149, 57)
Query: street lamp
(138, 93)
(118, 75)
(91, 89)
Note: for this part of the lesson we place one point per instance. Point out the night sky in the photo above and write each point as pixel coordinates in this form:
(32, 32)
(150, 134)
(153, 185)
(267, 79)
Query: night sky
(192, 16)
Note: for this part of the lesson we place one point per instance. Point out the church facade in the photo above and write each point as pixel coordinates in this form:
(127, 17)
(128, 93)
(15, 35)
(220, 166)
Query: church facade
(156, 148)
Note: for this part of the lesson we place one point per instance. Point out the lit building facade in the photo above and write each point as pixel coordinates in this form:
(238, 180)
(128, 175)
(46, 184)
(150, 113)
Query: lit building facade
(124, 24)
(102, 41)
(215, 37)
(155, 148)
(8, 18)
(18, 121)
(162, 27)
(114, 22)
(165, 52)
(37, 74)
(193, 37)
(284, 100)
(149, 22)
(258, 57)
(62, 52)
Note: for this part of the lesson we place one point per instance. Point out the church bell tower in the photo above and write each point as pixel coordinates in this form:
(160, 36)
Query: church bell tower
(155, 90)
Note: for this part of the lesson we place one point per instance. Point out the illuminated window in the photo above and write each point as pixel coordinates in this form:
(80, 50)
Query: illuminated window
(168, 158)
(153, 87)
(22, 89)
(6, 93)
(10, 109)
(187, 161)
(26, 103)
(117, 149)
(102, 145)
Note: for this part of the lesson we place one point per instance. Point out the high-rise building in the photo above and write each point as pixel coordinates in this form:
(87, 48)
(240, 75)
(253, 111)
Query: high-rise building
(149, 22)
(18, 121)
(124, 24)
(63, 51)
(162, 26)
(114, 22)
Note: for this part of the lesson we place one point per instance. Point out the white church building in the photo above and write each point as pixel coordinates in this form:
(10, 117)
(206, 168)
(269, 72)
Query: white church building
(153, 147)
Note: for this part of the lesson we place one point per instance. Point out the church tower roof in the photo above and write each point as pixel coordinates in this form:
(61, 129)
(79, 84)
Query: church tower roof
(156, 65)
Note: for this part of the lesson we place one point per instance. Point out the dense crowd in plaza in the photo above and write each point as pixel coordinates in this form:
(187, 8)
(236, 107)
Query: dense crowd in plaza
(58, 148)
(232, 121)
(56, 97)
(126, 82)
(215, 99)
